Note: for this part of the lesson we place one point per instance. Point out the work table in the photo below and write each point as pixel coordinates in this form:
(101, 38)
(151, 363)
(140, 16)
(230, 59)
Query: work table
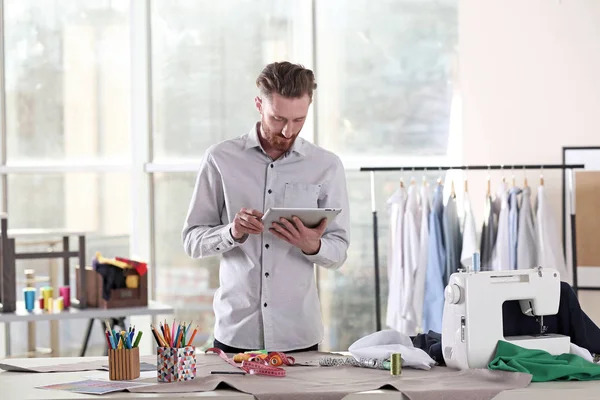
(22, 385)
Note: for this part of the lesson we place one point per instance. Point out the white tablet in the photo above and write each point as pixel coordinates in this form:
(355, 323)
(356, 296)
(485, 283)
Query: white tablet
(310, 217)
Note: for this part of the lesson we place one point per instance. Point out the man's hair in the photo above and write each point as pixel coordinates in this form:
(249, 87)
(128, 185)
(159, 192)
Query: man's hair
(287, 80)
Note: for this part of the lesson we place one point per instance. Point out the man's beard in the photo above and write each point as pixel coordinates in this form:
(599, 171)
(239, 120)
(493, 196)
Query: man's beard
(276, 140)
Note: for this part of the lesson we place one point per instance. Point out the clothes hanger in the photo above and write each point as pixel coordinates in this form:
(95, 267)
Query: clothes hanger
(525, 177)
(439, 181)
(412, 178)
(512, 169)
(489, 183)
(541, 175)
(452, 191)
(401, 182)
(466, 182)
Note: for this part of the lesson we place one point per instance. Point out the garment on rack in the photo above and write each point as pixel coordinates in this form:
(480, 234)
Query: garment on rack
(488, 234)
(513, 225)
(500, 255)
(396, 206)
(549, 245)
(452, 238)
(410, 253)
(469, 244)
(433, 305)
(419, 289)
(526, 247)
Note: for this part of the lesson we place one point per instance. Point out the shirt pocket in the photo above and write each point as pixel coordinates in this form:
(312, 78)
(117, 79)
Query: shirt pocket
(301, 195)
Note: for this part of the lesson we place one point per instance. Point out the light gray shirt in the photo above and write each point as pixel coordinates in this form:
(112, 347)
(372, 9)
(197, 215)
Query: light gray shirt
(267, 297)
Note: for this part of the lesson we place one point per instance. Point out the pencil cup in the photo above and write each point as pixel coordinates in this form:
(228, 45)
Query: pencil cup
(124, 364)
(176, 364)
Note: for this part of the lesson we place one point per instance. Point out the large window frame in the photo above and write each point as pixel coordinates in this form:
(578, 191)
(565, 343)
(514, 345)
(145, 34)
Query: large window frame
(141, 164)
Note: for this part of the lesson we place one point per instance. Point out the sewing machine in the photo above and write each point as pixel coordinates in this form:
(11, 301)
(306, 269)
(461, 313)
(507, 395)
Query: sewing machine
(472, 319)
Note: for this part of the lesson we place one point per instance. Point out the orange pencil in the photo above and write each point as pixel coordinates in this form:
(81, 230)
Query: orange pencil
(193, 334)
(167, 333)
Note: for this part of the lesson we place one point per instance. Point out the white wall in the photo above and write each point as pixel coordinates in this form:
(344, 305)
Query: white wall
(530, 81)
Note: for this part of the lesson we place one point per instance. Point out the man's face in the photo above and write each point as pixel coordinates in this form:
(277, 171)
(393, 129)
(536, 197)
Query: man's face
(282, 119)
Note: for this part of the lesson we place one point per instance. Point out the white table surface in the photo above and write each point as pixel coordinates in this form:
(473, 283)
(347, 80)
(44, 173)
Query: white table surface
(22, 386)
(22, 315)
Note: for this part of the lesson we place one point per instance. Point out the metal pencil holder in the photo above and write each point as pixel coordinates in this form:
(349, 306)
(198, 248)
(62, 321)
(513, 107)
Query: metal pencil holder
(124, 364)
(176, 364)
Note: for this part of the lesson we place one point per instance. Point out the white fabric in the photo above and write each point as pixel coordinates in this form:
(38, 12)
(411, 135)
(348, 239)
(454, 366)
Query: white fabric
(419, 287)
(469, 244)
(380, 345)
(410, 252)
(549, 245)
(396, 206)
(526, 246)
(581, 352)
(501, 254)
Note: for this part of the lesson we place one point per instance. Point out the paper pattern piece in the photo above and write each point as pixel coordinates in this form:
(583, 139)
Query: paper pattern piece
(90, 386)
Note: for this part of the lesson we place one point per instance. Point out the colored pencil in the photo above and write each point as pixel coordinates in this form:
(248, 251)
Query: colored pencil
(192, 338)
(137, 339)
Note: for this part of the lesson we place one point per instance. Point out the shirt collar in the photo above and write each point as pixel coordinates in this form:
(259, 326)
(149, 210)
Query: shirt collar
(253, 142)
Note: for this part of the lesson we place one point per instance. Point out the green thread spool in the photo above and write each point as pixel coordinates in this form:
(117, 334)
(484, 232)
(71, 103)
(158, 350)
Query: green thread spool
(396, 364)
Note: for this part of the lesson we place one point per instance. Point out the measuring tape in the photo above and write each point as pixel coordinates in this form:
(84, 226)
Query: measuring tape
(265, 367)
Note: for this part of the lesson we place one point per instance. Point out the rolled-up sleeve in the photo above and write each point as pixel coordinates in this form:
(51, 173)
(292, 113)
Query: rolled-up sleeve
(204, 233)
(336, 238)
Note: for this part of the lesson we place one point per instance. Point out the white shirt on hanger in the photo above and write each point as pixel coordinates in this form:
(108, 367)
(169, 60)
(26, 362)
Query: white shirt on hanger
(526, 246)
(396, 206)
(469, 245)
(419, 287)
(410, 252)
(549, 246)
(501, 254)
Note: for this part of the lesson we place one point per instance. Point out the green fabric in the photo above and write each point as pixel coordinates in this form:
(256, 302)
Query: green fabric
(542, 365)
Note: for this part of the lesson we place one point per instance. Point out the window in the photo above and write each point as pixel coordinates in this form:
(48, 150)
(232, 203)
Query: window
(78, 138)
(385, 96)
(206, 56)
(384, 70)
(67, 79)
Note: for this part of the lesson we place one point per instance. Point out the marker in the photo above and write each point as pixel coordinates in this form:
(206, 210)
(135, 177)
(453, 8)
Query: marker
(228, 372)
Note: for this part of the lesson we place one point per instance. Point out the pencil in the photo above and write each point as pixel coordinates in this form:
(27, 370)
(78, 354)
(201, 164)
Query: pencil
(192, 338)
(155, 337)
(137, 339)
(172, 334)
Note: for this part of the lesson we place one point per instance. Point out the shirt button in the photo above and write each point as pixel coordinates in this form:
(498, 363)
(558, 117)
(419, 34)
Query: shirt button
(267, 246)
(267, 274)
(271, 165)
(270, 191)
(265, 304)
(218, 249)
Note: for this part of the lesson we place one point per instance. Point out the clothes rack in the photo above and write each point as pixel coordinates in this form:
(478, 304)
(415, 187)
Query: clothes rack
(514, 167)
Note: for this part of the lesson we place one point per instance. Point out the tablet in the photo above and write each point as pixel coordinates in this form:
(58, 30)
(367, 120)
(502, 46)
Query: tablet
(310, 217)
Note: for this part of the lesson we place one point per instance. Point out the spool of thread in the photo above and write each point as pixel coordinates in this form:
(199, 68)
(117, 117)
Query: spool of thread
(65, 293)
(29, 294)
(476, 262)
(47, 295)
(59, 304)
(41, 303)
(396, 365)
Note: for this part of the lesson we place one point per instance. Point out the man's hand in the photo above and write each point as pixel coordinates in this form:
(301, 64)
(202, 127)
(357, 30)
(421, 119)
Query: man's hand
(247, 221)
(306, 239)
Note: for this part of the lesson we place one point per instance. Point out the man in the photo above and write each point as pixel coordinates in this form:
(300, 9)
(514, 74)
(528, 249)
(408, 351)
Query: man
(267, 297)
